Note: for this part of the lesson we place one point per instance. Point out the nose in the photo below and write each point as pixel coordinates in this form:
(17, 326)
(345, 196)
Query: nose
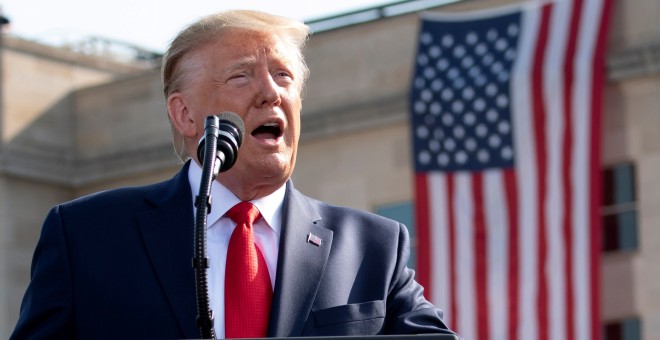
(268, 91)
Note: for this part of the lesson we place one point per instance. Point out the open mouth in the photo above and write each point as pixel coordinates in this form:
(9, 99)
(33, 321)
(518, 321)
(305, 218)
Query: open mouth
(268, 131)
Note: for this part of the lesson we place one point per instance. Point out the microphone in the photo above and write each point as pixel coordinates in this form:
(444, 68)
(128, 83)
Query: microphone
(228, 129)
(223, 134)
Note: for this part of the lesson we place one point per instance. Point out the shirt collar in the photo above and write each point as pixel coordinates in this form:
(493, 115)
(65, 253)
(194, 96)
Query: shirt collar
(222, 200)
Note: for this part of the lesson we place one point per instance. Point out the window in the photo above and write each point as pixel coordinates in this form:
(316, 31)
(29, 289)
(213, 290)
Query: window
(403, 213)
(626, 329)
(619, 208)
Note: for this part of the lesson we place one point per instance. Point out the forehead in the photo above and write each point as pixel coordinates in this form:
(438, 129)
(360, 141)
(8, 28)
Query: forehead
(240, 43)
(239, 48)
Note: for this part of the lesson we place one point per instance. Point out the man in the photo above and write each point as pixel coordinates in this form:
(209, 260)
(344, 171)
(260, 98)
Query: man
(117, 264)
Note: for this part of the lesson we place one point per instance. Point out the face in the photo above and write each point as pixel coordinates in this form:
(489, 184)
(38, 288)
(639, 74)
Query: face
(255, 76)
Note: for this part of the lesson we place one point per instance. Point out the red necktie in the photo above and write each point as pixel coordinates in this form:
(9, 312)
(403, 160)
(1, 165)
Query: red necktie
(248, 292)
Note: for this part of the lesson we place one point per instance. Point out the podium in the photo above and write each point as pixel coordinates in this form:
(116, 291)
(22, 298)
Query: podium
(376, 337)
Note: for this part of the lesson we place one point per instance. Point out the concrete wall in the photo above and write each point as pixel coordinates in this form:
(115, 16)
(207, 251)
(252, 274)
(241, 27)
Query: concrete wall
(631, 284)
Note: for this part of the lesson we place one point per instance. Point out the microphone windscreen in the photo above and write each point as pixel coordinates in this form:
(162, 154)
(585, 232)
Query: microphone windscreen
(234, 120)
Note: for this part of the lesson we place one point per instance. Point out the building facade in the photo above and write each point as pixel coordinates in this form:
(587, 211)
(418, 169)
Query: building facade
(72, 124)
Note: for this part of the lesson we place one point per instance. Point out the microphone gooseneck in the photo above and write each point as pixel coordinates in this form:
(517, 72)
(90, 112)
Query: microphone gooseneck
(217, 151)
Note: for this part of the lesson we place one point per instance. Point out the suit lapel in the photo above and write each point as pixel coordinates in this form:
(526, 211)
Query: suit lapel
(300, 265)
(167, 231)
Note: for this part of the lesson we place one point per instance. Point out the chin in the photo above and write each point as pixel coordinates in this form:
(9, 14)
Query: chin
(274, 174)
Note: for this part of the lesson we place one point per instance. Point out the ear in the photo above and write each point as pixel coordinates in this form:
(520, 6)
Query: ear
(180, 116)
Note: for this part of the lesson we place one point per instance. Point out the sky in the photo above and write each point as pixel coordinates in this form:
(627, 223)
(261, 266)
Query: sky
(149, 24)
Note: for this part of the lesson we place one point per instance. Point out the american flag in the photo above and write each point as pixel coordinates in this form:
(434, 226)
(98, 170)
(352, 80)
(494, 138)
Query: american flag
(505, 111)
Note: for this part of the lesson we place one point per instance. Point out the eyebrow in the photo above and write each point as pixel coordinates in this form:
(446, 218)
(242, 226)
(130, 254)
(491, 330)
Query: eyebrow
(243, 62)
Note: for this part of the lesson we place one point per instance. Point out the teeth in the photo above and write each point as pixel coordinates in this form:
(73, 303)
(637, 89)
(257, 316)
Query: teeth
(271, 124)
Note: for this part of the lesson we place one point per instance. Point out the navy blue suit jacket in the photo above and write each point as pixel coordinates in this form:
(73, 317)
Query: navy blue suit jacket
(117, 264)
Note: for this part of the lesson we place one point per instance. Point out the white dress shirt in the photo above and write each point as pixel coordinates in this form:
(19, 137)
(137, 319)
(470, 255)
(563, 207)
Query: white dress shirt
(219, 229)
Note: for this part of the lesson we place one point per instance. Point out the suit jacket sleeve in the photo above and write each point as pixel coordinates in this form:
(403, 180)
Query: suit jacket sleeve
(46, 309)
(408, 312)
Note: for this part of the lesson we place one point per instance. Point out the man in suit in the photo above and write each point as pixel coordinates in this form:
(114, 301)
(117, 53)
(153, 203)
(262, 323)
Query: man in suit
(117, 264)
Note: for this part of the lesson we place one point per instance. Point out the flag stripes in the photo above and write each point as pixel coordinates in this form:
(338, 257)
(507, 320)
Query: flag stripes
(505, 112)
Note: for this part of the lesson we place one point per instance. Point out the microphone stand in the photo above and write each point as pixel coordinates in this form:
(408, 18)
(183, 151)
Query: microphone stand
(210, 170)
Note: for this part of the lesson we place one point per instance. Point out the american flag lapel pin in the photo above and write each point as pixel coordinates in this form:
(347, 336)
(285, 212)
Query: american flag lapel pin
(313, 239)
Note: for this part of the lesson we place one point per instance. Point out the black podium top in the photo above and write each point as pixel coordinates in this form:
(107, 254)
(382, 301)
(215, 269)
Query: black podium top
(376, 337)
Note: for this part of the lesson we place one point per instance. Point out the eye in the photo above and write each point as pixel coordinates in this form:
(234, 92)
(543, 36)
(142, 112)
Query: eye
(282, 76)
(238, 79)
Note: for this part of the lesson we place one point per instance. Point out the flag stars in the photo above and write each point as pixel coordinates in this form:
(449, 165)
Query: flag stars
(494, 141)
(449, 144)
(497, 67)
(457, 106)
(459, 132)
(480, 49)
(426, 95)
(424, 157)
(460, 97)
(501, 44)
(483, 156)
(459, 51)
(487, 60)
(429, 73)
(420, 107)
(467, 62)
(458, 83)
(426, 38)
(469, 119)
(503, 77)
(461, 157)
(492, 115)
(435, 51)
(447, 119)
(438, 134)
(471, 38)
(447, 41)
(474, 72)
(434, 145)
(419, 83)
(422, 132)
(491, 90)
(479, 104)
(491, 35)
(453, 73)
(468, 93)
(470, 144)
(504, 127)
(507, 153)
(481, 130)
(513, 30)
(422, 60)
(429, 120)
(443, 159)
(502, 101)
(510, 54)
(480, 80)
(447, 94)
(442, 64)
(435, 108)
(436, 85)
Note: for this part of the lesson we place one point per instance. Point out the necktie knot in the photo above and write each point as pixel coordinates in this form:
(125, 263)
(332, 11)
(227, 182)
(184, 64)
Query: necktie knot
(244, 212)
